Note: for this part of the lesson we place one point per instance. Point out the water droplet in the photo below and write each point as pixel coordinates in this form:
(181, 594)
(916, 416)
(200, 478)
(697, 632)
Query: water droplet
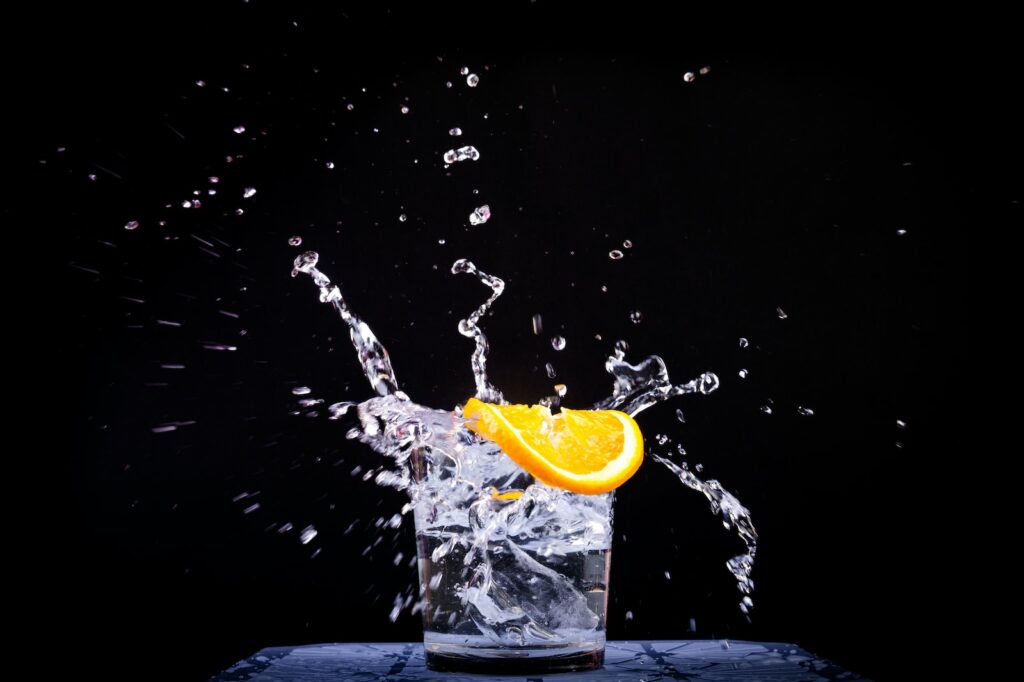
(558, 342)
(707, 383)
(766, 409)
(661, 438)
(441, 242)
(405, 110)
(92, 177)
(461, 154)
(330, 165)
(668, 576)
(705, 70)
(249, 192)
(455, 132)
(615, 254)
(550, 369)
(636, 317)
(689, 76)
(239, 129)
(448, 84)
(302, 390)
(538, 324)
(900, 424)
(743, 373)
(464, 71)
(781, 313)
(201, 84)
(213, 179)
(307, 535)
(186, 204)
(305, 262)
(743, 342)
(402, 218)
(621, 346)
(295, 241)
(561, 389)
(131, 225)
(627, 244)
(629, 615)
(680, 416)
(680, 449)
(805, 411)
(472, 80)
(480, 216)
(350, 106)
(699, 467)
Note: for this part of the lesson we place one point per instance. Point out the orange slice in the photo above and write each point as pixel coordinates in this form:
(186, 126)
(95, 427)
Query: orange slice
(585, 451)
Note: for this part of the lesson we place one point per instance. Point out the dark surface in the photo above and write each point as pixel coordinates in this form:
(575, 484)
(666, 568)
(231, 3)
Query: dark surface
(778, 180)
(624, 662)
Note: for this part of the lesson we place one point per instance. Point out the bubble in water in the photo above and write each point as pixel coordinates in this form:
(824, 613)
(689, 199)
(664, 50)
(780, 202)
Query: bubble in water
(404, 110)
(707, 382)
(538, 324)
(627, 244)
(558, 342)
(561, 389)
(402, 218)
(680, 416)
(464, 71)
(239, 129)
(689, 76)
(461, 154)
(636, 317)
(295, 241)
(131, 225)
(472, 80)
(480, 215)
(781, 313)
(455, 132)
(249, 192)
(302, 390)
(743, 373)
(805, 411)
(550, 369)
(615, 254)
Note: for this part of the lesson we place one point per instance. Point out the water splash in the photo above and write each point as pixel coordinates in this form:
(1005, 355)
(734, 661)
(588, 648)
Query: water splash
(372, 355)
(469, 327)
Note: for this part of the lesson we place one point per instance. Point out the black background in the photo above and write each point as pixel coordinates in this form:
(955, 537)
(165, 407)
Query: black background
(775, 181)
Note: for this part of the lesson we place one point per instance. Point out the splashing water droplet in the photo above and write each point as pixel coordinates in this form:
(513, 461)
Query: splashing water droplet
(661, 438)
(900, 424)
(538, 324)
(404, 110)
(464, 71)
(472, 80)
(636, 317)
(402, 218)
(629, 615)
(350, 106)
(743, 342)
(469, 327)
(550, 369)
(455, 132)
(766, 409)
(558, 342)
(615, 254)
(461, 154)
(704, 70)
(781, 313)
(330, 165)
(627, 244)
(480, 215)
(239, 129)
(249, 192)
(306, 262)
(680, 416)
(561, 389)
(743, 373)
(302, 390)
(707, 383)
(689, 76)
(131, 225)
(900, 233)
(295, 241)
(805, 411)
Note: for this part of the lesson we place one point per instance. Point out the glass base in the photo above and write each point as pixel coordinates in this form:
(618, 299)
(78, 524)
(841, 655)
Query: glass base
(512, 661)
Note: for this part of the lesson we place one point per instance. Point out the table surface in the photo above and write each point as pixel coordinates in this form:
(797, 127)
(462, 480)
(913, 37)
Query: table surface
(625, 661)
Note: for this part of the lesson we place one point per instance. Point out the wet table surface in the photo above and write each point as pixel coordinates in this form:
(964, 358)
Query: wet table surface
(625, 661)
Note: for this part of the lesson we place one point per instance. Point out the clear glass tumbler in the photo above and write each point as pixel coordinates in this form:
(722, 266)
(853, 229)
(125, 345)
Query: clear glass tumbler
(513, 573)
